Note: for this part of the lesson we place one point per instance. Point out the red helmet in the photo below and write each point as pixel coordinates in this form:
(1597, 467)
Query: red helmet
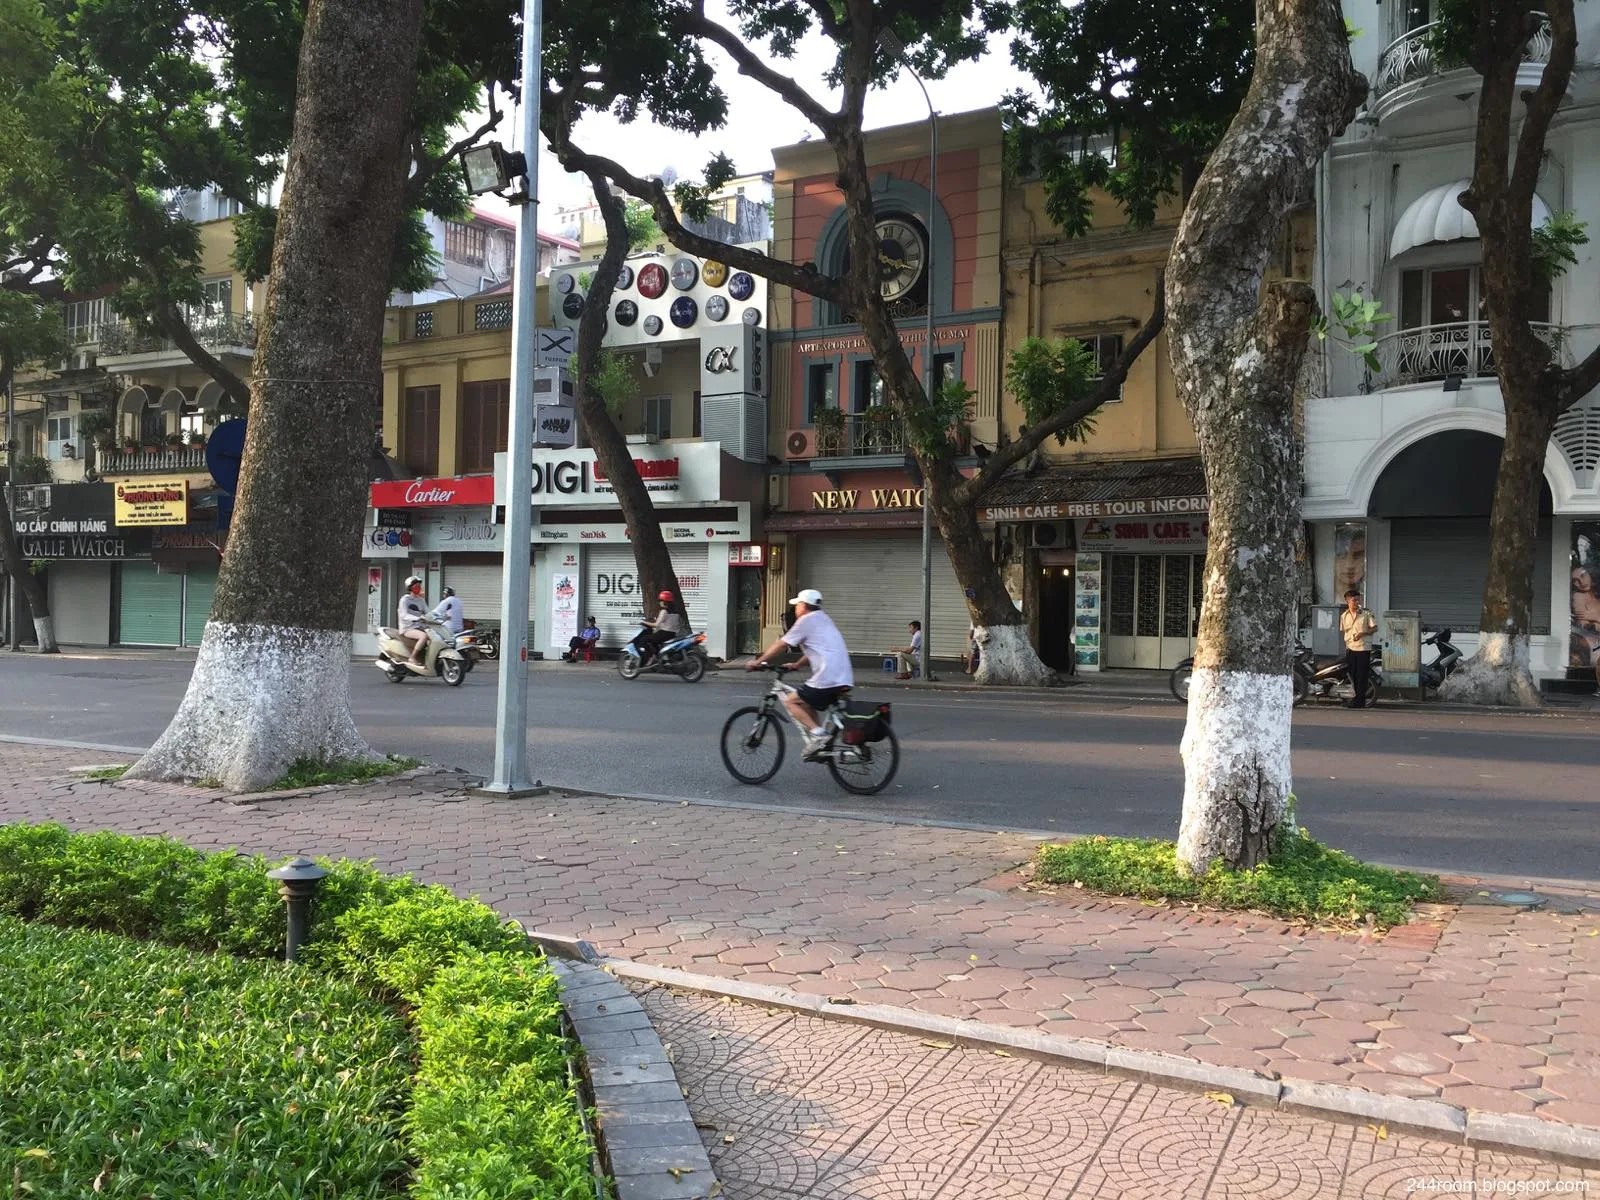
(665, 595)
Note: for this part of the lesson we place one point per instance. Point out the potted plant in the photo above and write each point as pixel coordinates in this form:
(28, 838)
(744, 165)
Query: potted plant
(197, 439)
(830, 431)
(130, 445)
(879, 429)
(174, 440)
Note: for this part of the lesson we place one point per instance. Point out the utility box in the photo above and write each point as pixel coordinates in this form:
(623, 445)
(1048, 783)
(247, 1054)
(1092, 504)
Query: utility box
(1326, 641)
(1400, 633)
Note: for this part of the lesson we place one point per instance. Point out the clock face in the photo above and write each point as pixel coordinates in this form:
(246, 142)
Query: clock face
(684, 274)
(652, 280)
(572, 306)
(565, 283)
(741, 286)
(716, 306)
(627, 312)
(652, 325)
(625, 278)
(683, 311)
(751, 316)
(902, 257)
(715, 273)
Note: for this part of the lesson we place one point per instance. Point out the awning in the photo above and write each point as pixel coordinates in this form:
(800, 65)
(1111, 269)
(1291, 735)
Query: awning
(1437, 216)
(1172, 485)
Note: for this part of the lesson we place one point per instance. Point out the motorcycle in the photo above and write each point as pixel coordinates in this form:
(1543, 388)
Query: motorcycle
(685, 657)
(442, 659)
(1300, 674)
(1447, 657)
(468, 641)
(1331, 681)
(488, 641)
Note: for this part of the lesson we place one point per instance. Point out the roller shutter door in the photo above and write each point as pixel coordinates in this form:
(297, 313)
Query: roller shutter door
(199, 589)
(872, 586)
(611, 591)
(1438, 565)
(80, 603)
(477, 586)
(151, 611)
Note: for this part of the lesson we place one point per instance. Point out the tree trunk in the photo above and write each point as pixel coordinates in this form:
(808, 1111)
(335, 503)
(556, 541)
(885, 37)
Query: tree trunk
(18, 568)
(650, 554)
(1236, 358)
(272, 681)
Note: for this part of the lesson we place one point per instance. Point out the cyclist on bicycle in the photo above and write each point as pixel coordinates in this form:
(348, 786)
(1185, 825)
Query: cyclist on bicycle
(816, 636)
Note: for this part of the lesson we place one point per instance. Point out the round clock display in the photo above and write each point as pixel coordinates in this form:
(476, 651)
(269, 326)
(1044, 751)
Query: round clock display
(684, 274)
(683, 311)
(652, 325)
(652, 280)
(565, 283)
(714, 273)
(902, 256)
(572, 306)
(741, 286)
(627, 312)
(625, 278)
(752, 316)
(717, 308)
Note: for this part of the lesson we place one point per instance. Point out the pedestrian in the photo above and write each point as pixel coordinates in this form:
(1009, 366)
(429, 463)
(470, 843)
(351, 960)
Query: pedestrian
(969, 660)
(909, 658)
(1356, 626)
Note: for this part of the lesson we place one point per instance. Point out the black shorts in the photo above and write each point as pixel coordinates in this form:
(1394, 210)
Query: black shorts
(819, 699)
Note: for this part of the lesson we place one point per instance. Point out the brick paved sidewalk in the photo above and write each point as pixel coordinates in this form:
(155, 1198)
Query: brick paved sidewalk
(1494, 1009)
(792, 1106)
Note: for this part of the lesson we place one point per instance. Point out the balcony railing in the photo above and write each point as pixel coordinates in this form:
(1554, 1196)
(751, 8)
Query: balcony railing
(152, 462)
(212, 332)
(876, 431)
(1432, 352)
(1411, 57)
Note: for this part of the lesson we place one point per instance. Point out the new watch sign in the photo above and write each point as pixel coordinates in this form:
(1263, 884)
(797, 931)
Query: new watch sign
(152, 502)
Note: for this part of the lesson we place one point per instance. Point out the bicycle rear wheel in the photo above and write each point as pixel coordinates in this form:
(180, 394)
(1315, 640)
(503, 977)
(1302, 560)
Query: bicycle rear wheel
(752, 745)
(872, 769)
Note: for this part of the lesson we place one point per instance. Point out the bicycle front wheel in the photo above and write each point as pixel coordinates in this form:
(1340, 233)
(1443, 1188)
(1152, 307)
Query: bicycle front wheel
(869, 767)
(752, 745)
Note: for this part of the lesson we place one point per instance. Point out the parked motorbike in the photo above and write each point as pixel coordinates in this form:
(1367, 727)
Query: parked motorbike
(1178, 681)
(468, 642)
(1331, 681)
(442, 659)
(1447, 657)
(488, 641)
(684, 657)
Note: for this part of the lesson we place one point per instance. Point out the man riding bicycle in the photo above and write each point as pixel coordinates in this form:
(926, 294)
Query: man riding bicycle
(816, 636)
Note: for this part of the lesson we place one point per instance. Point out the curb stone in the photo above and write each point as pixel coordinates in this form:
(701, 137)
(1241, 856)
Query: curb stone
(1576, 1143)
(647, 1136)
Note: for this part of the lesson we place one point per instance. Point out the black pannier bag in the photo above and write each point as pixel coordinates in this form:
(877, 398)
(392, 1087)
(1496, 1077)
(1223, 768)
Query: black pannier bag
(865, 722)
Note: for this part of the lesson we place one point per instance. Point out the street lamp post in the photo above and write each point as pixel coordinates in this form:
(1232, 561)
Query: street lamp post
(892, 43)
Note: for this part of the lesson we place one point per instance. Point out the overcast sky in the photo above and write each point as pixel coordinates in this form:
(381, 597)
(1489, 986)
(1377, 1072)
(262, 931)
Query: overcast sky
(758, 121)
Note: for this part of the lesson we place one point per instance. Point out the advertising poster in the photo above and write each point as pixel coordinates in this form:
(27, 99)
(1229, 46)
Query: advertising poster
(152, 502)
(1349, 560)
(564, 609)
(374, 598)
(1086, 626)
(1584, 649)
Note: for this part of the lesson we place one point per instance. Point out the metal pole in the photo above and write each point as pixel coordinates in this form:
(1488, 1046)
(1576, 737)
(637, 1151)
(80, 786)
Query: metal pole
(930, 383)
(12, 604)
(511, 713)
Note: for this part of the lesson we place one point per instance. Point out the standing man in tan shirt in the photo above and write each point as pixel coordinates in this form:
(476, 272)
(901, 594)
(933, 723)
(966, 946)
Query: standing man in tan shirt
(1357, 625)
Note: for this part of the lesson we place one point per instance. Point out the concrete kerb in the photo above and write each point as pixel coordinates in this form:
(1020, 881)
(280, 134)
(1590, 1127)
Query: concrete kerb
(1433, 1118)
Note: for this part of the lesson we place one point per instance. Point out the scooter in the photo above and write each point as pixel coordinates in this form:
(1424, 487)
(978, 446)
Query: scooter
(488, 642)
(684, 657)
(1300, 676)
(442, 658)
(1332, 680)
(1447, 658)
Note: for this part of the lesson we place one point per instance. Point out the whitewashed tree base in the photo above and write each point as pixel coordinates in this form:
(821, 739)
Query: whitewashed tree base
(1006, 658)
(261, 697)
(1237, 778)
(44, 632)
(1500, 674)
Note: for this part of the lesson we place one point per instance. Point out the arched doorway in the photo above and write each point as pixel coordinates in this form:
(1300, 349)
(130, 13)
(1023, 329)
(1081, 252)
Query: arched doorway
(1437, 495)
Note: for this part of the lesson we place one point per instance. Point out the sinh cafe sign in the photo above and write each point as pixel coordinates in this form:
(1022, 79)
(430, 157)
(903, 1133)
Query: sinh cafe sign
(850, 499)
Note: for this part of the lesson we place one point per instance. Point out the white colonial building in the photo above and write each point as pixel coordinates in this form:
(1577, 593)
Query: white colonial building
(1400, 462)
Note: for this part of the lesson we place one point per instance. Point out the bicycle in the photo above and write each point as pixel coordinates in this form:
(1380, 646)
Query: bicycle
(859, 744)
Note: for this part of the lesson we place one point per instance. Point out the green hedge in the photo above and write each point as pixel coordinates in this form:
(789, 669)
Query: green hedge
(492, 1112)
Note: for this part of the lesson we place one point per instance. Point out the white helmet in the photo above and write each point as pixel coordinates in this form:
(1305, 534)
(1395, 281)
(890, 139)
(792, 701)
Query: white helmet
(412, 581)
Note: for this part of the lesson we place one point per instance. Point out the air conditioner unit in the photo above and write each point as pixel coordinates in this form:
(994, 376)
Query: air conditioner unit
(1049, 535)
(800, 443)
(83, 360)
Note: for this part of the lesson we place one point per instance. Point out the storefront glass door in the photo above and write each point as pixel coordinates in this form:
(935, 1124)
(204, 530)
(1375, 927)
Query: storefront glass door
(747, 611)
(1153, 609)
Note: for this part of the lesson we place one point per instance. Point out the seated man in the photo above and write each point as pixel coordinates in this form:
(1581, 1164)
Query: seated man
(816, 636)
(583, 642)
(909, 658)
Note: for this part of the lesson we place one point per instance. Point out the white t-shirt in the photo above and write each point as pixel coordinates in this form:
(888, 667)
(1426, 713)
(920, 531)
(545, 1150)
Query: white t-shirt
(819, 639)
(413, 612)
(916, 642)
(449, 611)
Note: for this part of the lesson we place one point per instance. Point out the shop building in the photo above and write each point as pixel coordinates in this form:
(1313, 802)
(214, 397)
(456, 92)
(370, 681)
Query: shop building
(1401, 459)
(847, 497)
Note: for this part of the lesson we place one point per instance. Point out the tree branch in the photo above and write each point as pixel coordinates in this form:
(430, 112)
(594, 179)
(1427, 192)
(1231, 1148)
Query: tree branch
(1542, 102)
(428, 166)
(171, 322)
(695, 23)
(1007, 456)
(1574, 384)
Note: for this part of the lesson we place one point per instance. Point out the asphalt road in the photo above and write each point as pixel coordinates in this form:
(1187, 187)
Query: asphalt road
(1499, 794)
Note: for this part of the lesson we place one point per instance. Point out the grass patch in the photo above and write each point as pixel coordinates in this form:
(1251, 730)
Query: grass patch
(319, 772)
(141, 1069)
(107, 773)
(491, 1112)
(1303, 879)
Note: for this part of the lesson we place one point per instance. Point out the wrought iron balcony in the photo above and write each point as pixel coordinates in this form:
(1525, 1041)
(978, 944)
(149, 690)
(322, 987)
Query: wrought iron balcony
(1411, 57)
(163, 461)
(878, 430)
(1462, 350)
(121, 338)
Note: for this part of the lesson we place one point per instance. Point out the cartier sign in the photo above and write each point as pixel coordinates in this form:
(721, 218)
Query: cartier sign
(433, 493)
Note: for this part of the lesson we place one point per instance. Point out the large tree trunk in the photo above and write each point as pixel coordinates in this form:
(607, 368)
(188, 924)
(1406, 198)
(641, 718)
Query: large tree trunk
(650, 554)
(1236, 358)
(272, 681)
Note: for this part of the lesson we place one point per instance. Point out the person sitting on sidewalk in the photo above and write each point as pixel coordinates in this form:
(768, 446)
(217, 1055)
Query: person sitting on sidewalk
(909, 658)
(583, 642)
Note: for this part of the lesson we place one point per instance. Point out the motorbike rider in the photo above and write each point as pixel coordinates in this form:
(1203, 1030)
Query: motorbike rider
(413, 621)
(816, 636)
(449, 612)
(668, 626)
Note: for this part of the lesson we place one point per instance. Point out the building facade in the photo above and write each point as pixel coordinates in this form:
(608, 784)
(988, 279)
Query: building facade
(1401, 460)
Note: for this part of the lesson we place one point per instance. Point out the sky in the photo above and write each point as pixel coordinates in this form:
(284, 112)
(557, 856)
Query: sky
(758, 120)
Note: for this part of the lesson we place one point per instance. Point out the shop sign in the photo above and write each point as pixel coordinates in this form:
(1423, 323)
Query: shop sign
(1129, 537)
(153, 502)
(554, 425)
(53, 524)
(853, 499)
(1148, 507)
(474, 531)
(908, 337)
(619, 533)
(679, 473)
(733, 361)
(433, 493)
(747, 554)
(386, 542)
(82, 546)
(394, 518)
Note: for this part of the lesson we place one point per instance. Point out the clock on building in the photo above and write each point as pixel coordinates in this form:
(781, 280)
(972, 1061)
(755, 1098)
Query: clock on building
(684, 274)
(751, 316)
(652, 325)
(716, 306)
(572, 306)
(741, 286)
(683, 311)
(565, 283)
(902, 256)
(627, 312)
(624, 278)
(652, 280)
(714, 273)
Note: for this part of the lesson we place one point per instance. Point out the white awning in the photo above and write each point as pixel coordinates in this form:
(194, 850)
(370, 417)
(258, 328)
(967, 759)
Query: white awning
(1437, 216)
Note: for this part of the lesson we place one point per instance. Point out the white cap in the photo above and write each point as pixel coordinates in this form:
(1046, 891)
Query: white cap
(808, 596)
